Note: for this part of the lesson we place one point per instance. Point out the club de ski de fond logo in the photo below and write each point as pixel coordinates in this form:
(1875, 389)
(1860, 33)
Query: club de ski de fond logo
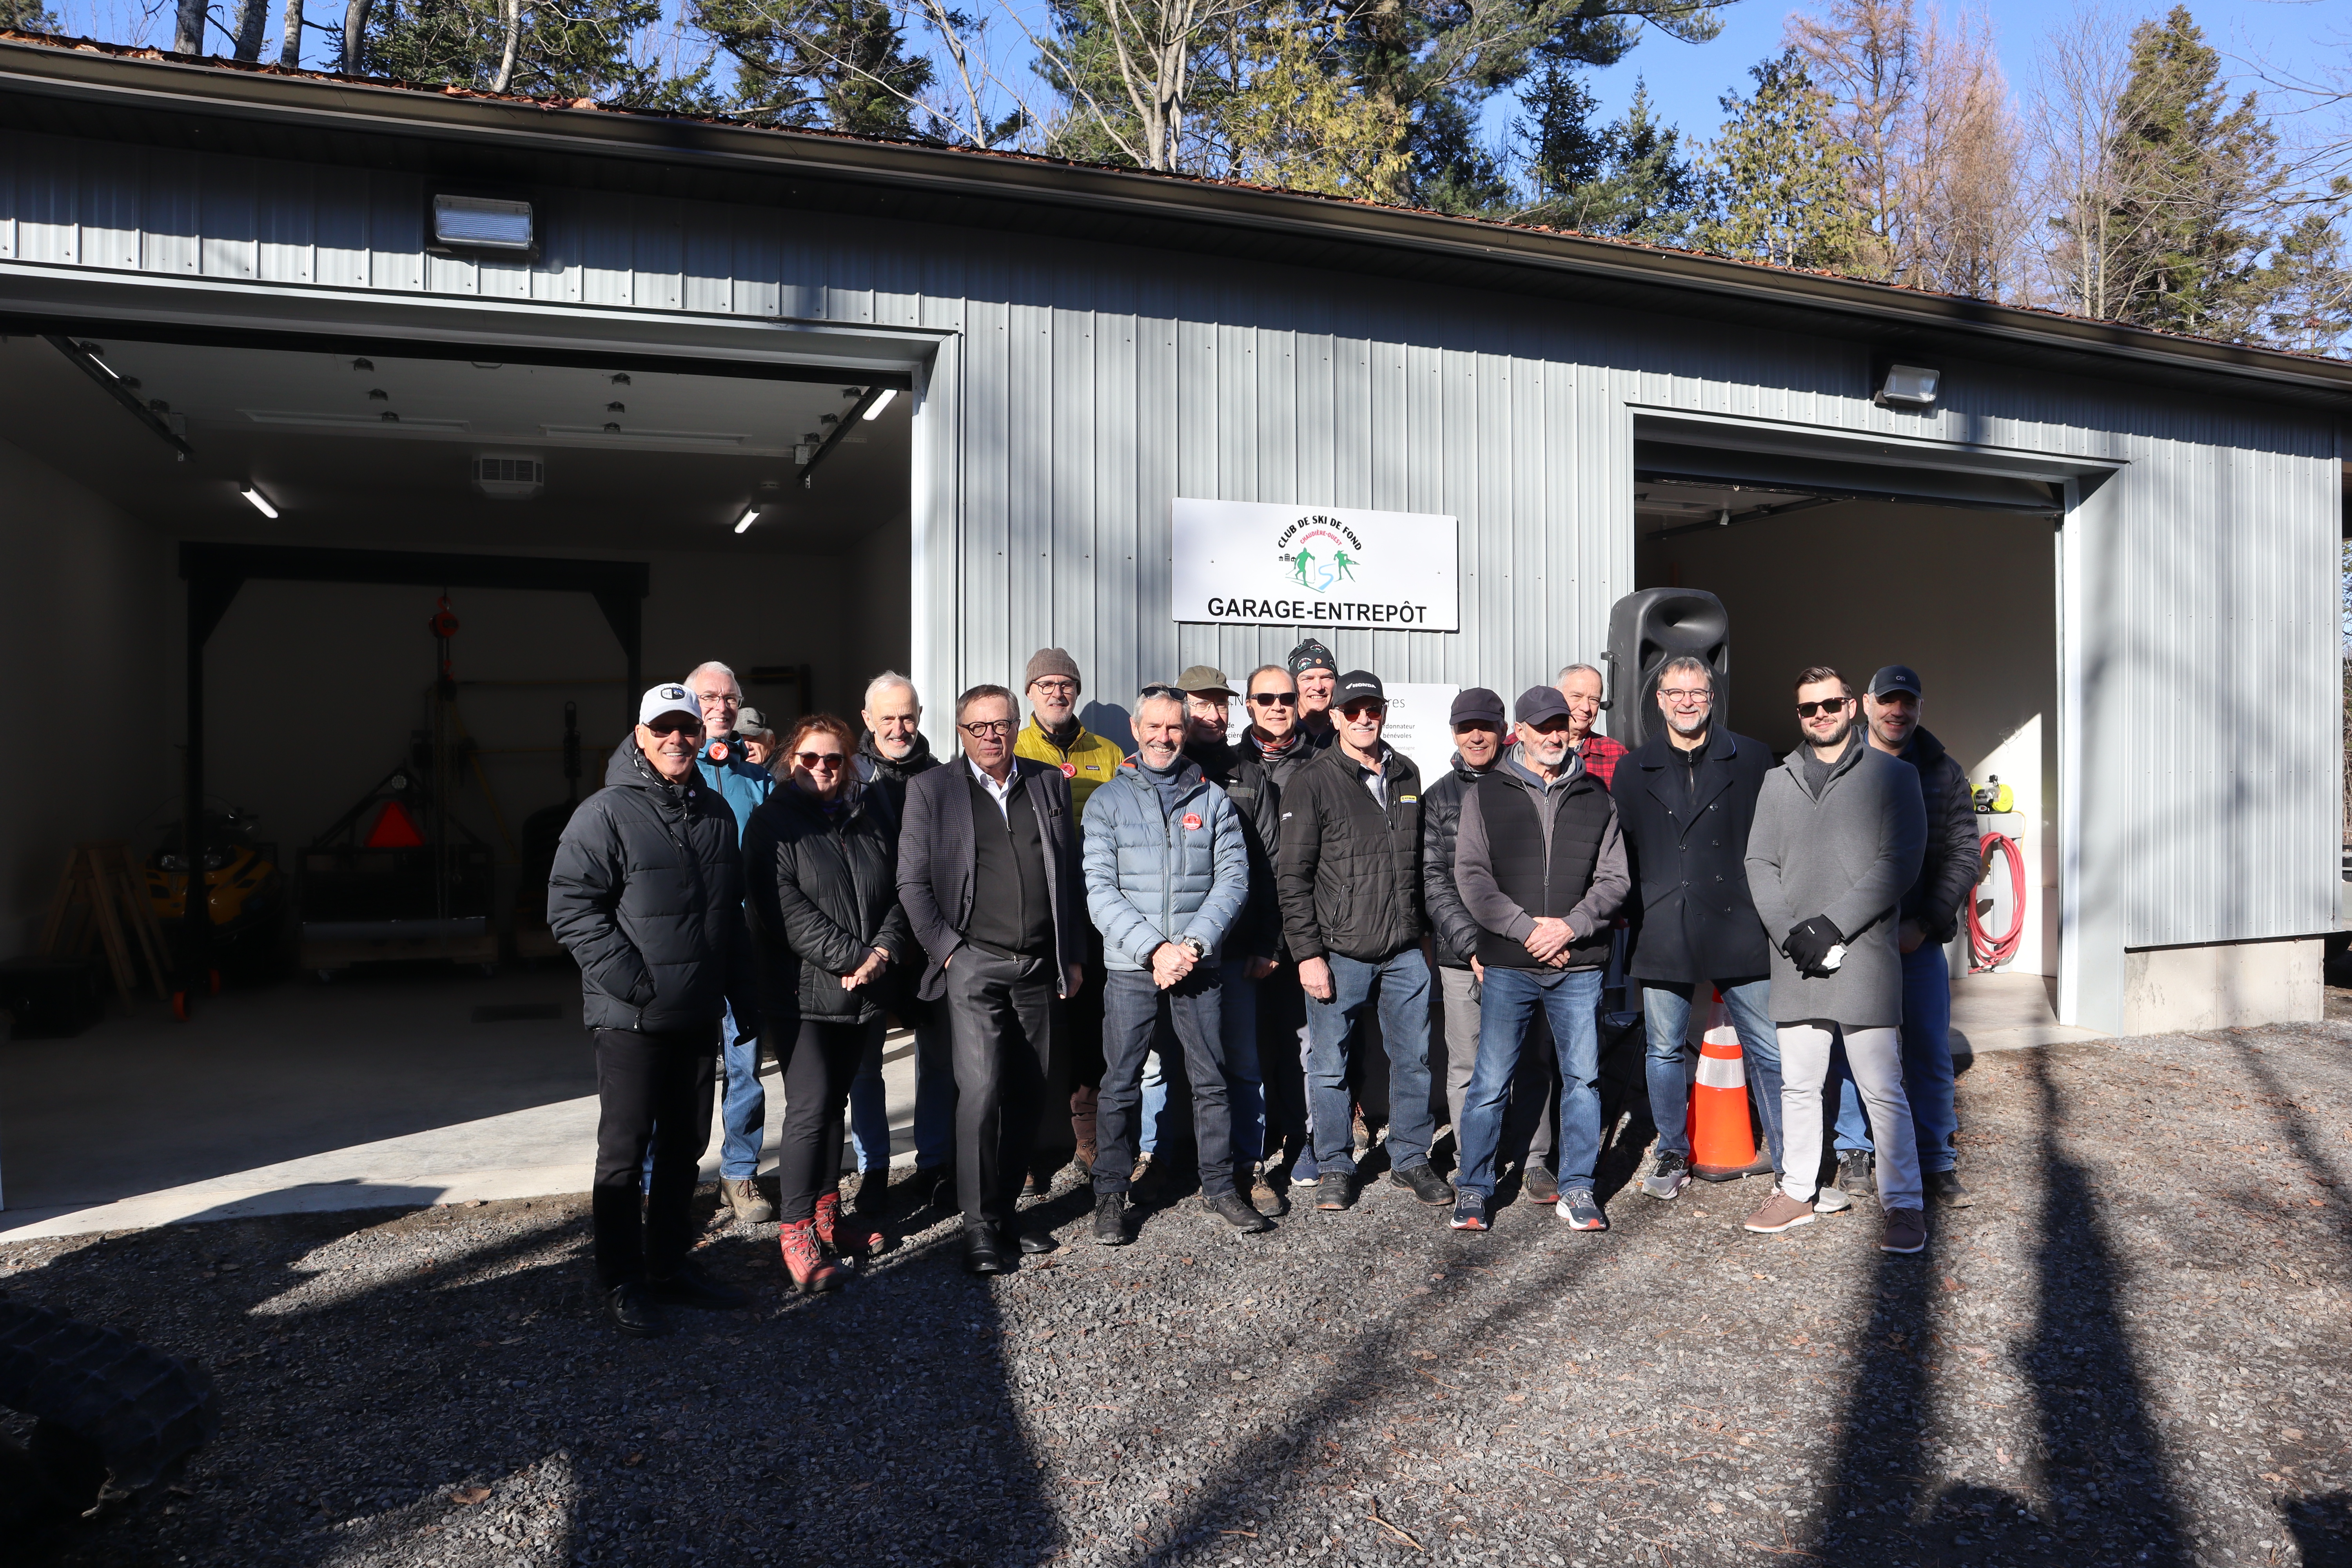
(1320, 553)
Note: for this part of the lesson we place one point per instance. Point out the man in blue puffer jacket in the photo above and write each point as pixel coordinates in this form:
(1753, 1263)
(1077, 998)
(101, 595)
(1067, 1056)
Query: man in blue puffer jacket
(1167, 878)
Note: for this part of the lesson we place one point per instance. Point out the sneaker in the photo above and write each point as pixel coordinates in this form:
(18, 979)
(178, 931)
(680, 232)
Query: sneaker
(1111, 1219)
(1857, 1173)
(1668, 1177)
(1538, 1184)
(1469, 1210)
(1337, 1191)
(746, 1202)
(1944, 1186)
(1236, 1211)
(1906, 1231)
(1577, 1208)
(1780, 1212)
(1831, 1200)
(1266, 1196)
(1423, 1181)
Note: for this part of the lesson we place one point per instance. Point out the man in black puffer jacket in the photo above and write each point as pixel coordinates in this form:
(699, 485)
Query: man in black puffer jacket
(1348, 872)
(647, 895)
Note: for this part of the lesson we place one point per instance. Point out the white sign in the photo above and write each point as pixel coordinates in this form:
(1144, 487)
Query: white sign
(1248, 563)
(1418, 726)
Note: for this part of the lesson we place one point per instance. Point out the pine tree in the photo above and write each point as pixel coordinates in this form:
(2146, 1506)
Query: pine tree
(27, 17)
(1628, 179)
(1292, 115)
(566, 48)
(839, 64)
(1774, 184)
(1564, 150)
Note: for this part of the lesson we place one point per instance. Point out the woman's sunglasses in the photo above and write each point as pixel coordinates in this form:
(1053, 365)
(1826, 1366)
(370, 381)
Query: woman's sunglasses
(815, 759)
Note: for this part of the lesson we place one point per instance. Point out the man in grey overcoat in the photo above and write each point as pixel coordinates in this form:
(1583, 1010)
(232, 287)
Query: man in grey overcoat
(1838, 832)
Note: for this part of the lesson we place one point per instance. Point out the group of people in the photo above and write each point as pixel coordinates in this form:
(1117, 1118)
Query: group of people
(1194, 922)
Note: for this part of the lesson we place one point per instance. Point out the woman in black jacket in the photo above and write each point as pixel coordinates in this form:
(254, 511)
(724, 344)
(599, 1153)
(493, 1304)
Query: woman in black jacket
(821, 859)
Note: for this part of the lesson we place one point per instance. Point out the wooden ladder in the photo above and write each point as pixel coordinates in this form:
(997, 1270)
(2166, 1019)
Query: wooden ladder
(102, 877)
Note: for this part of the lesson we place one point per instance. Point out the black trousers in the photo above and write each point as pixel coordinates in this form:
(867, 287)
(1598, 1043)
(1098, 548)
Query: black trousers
(644, 1080)
(1000, 1016)
(824, 1057)
(1282, 1060)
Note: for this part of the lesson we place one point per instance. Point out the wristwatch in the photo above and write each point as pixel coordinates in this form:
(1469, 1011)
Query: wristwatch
(1192, 944)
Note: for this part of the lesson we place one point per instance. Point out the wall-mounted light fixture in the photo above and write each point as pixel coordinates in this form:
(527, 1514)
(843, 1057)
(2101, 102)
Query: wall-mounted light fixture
(881, 402)
(260, 502)
(749, 518)
(1907, 387)
(483, 222)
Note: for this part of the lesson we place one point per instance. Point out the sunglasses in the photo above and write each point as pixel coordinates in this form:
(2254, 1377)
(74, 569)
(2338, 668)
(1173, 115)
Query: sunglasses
(1274, 699)
(1162, 692)
(1363, 707)
(1832, 706)
(670, 726)
(815, 759)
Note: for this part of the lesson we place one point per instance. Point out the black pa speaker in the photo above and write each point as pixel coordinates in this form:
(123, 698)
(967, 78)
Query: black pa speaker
(1647, 628)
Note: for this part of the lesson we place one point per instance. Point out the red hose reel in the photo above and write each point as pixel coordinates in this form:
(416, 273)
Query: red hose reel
(1990, 953)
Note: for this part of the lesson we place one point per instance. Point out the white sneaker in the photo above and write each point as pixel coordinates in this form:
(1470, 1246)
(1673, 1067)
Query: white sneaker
(1831, 1200)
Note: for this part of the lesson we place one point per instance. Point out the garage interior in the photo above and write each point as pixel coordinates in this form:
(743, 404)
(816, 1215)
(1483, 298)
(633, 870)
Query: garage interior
(1859, 565)
(118, 448)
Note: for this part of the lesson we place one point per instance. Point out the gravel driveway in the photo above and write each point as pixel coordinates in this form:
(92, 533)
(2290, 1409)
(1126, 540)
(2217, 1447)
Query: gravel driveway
(2132, 1350)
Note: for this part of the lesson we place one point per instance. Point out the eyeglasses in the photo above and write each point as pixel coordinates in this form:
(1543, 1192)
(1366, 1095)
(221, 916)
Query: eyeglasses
(1689, 695)
(815, 759)
(1832, 706)
(1274, 699)
(980, 729)
(728, 699)
(1055, 685)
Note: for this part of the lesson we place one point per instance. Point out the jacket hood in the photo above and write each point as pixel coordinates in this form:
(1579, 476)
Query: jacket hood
(628, 769)
(917, 761)
(1469, 775)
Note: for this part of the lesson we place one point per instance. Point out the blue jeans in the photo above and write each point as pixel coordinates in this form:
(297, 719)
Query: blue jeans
(935, 1095)
(1132, 1008)
(1665, 1013)
(869, 1110)
(743, 1107)
(1245, 1087)
(1396, 990)
(1926, 1066)
(1507, 1001)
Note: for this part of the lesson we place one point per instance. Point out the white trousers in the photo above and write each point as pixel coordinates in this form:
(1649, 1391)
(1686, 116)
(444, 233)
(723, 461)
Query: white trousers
(1875, 1058)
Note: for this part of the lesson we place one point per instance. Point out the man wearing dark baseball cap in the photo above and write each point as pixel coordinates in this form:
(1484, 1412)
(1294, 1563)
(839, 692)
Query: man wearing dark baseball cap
(1930, 918)
(1312, 666)
(1347, 869)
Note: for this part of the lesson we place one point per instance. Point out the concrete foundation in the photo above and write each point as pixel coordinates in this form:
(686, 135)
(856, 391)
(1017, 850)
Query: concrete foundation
(2224, 986)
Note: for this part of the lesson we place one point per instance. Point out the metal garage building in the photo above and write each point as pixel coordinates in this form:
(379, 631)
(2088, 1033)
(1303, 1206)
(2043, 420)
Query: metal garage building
(2111, 553)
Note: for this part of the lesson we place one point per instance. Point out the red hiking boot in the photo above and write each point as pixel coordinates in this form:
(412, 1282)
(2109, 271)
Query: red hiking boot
(811, 1269)
(845, 1235)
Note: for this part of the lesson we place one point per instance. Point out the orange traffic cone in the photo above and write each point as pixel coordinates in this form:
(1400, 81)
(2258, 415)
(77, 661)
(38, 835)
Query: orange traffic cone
(1722, 1137)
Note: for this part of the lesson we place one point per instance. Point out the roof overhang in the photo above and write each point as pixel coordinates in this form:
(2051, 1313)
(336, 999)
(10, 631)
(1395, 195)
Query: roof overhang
(109, 95)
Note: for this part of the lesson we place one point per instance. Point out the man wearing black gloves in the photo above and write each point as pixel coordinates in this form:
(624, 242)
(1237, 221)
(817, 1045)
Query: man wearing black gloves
(1478, 724)
(1348, 870)
(988, 876)
(646, 894)
(1840, 827)
(1686, 798)
(1931, 917)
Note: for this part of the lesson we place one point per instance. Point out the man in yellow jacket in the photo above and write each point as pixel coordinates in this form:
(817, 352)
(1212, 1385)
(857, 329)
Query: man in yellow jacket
(1054, 737)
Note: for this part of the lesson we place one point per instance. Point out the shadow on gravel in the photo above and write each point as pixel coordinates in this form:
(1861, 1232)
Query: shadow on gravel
(1222, 1504)
(2309, 1148)
(357, 1418)
(2322, 1528)
(2087, 1391)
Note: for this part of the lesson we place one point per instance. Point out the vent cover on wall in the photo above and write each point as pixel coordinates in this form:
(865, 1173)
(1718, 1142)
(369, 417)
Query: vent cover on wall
(509, 476)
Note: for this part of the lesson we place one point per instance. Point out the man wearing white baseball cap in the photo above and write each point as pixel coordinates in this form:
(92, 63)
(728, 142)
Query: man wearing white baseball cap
(647, 895)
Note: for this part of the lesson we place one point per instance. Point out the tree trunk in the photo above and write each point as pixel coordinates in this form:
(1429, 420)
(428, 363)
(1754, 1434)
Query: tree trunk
(355, 18)
(188, 31)
(252, 16)
(514, 43)
(289, 52)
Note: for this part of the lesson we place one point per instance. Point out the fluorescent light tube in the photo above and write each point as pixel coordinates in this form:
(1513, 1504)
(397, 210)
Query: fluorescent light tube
(260, 502)
(750, 517)
(879, 404)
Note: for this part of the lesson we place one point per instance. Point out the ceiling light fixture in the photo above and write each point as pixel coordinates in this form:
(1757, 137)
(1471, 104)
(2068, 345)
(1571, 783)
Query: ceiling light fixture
(750, 517)
(881, 402)
(260, 502)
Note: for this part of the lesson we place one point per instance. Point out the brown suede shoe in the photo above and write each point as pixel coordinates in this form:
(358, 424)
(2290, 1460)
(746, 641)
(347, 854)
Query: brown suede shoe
(1780, 1212)
(1907, 1232)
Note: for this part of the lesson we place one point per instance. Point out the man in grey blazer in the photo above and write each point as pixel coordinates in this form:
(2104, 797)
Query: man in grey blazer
(1839, 831)
(990, 879)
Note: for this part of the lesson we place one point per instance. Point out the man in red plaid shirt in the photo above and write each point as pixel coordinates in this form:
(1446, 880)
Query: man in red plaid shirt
(1581, 684)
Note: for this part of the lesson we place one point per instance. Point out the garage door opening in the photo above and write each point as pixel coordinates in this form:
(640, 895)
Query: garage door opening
(316, 692)
(1857, 566)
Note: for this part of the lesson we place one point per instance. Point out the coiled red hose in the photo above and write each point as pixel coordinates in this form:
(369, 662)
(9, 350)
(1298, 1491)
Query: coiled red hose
(1990, 954)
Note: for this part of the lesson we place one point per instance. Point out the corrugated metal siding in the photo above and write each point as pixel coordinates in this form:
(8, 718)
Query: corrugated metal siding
(1091, 385)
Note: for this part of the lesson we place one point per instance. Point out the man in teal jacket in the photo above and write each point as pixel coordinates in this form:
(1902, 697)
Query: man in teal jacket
(1167, 874)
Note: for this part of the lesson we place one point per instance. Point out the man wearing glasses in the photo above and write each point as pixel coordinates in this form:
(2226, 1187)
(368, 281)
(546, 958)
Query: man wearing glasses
(989, 877)
(1054, 737)
(1839, 833)
(727, 767)
(1275, 741)
(646, 894)
(1348, 870)
(1685, 798)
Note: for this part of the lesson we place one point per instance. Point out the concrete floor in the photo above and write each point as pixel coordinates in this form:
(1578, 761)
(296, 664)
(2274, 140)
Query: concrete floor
(378, 1089)
(381, 1089)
